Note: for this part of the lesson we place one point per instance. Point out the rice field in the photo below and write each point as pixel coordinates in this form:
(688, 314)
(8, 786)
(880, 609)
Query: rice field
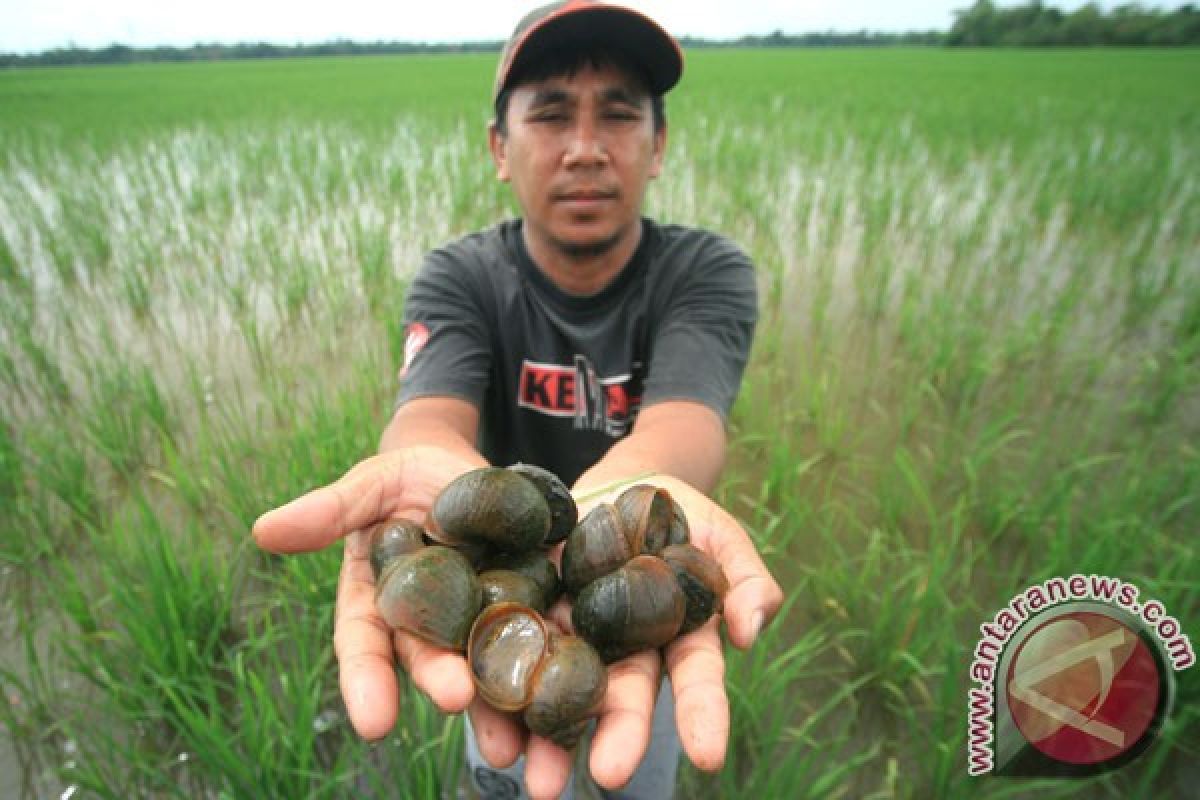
(978, 367)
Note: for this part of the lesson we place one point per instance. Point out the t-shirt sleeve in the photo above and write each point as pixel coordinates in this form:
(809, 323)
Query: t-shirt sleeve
(447, 350)
(702, 343)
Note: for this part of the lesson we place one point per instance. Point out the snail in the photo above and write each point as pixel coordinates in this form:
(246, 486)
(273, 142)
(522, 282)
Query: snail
(703, 583)
(510, 509)
(518, 664)
(649, 601)
(507, 586)
(563, 513)
(643, 520)
(637, 607)
(390, 540)
(535, 566)
(433, 593)
(483, 516)
(636, 583)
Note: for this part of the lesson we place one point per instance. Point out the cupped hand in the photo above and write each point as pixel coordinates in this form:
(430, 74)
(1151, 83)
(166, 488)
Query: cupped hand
(403, 484)
(394, 485)
(695, 661)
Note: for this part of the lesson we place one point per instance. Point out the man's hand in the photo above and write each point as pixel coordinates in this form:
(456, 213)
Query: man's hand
(398, 484)
(695, 662)
(402, 484)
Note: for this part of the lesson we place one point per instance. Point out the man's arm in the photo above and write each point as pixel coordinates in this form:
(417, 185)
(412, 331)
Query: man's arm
(680, 438)
(681, 444)
(446, 422)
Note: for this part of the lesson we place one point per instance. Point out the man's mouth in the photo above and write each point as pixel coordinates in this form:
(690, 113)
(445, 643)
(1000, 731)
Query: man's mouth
(585, 195)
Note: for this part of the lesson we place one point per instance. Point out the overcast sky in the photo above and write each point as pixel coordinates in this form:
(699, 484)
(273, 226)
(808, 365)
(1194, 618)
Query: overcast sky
(33, 25)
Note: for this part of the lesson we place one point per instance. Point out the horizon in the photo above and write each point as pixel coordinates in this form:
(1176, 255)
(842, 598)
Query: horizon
(143, 24)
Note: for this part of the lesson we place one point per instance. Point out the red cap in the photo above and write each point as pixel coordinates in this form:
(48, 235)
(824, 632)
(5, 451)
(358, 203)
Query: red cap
(577, 23)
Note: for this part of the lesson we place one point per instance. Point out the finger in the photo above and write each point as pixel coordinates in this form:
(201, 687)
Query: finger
(363, 496)
(440, 673)
(547, 768)
(623, 729)
(362, 643)
(500, 738)
(560, 615)
(697, 669)
(754, 597)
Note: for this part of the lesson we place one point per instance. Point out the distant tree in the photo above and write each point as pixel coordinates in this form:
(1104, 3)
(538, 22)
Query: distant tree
(984, 24)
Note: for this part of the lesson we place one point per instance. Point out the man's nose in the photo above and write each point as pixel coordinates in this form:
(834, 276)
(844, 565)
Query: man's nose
(586, 147)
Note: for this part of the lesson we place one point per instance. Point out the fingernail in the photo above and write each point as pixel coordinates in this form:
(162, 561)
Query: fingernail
(756, 623)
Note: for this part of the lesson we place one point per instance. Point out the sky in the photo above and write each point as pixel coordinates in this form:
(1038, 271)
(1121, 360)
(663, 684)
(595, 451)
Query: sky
(34, 25)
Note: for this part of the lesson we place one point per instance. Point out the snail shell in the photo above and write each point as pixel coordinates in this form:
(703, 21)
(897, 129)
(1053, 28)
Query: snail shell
(563, 512)
(492, 505)
(638, 607)
(702, 581)
(390, 540)
(570, 687)
(506, 586)
(600, 543)
(533, 565)
(432, 593)
(518, 664)
(647, 513)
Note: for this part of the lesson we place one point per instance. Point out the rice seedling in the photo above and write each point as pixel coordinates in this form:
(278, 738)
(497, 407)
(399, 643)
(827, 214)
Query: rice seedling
(976, 368)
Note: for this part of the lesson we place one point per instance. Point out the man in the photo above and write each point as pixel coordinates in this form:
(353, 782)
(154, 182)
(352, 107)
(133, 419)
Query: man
(583, 338)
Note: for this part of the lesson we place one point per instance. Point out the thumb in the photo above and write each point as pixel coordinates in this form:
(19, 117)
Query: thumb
(315, 520)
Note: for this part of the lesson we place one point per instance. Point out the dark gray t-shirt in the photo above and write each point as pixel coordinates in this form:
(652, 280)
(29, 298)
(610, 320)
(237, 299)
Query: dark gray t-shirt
(558, 378)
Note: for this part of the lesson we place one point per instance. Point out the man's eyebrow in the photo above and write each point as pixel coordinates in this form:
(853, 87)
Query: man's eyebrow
(545, 97)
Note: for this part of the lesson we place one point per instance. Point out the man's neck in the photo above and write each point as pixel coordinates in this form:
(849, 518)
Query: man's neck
(584, 271)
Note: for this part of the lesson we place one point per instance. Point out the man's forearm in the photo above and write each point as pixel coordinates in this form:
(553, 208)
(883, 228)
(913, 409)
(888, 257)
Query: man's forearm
(681, 439)
(442, 422)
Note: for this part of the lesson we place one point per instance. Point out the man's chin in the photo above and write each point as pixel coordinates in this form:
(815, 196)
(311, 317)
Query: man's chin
(589, 245)
(587, 248)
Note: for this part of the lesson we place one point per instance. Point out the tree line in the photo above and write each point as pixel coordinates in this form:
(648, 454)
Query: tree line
(982, 25)
(1035, 25)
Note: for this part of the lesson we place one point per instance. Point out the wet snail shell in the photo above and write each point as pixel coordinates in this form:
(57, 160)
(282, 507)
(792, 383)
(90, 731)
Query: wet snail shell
(638, 607)
(647, 512)
(703, 583)
(506, 586)
(600, 543)
(390, 540)
(563, 513)
(533, 565)
(492, 505)
(518, 664)
(432, 593)
(642, 520)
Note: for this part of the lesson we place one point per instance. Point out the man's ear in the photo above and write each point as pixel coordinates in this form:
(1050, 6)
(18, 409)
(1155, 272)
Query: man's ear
(496, 143)
(660, 151)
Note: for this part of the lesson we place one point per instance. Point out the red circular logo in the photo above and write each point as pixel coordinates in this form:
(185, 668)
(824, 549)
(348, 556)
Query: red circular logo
(1083, 688)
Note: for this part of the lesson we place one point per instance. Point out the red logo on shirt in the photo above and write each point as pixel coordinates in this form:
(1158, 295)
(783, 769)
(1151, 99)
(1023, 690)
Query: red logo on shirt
(417, 336)
(595, 403)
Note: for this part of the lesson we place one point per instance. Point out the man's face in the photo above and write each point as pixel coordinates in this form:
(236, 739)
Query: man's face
(579, 151)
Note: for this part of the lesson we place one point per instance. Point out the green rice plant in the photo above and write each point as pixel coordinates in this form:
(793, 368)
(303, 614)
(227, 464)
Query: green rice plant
(975, 369)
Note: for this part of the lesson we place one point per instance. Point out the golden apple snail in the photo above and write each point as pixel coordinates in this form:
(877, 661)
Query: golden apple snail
(637, 583)
(703, 583)
(518, 664)
(390, 540)
(563, 513)
(432, 593)
(492, 505)
(637, 607)
(506, 586)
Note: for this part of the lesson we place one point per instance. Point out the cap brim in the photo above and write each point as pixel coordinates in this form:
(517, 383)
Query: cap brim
(611, 26)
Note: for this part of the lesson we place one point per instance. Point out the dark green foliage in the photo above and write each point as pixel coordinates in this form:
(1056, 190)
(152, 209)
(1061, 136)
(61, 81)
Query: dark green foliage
(985, 24)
